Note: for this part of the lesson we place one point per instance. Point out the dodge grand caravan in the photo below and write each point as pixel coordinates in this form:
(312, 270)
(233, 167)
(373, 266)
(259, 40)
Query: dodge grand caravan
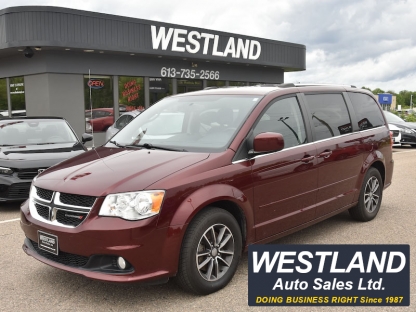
(184, 196)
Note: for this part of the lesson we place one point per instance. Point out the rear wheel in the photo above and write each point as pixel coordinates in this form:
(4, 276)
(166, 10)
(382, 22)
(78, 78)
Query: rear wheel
(370, 197)
(210, 252)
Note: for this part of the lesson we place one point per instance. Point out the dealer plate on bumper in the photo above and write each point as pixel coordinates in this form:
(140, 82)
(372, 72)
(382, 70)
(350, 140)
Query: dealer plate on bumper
(48, 242)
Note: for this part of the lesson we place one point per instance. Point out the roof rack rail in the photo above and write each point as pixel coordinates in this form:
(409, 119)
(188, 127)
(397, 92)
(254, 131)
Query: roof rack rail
(286, 85)
(323, 85)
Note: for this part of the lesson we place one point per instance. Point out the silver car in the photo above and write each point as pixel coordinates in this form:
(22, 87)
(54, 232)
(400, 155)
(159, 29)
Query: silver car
(120, 123)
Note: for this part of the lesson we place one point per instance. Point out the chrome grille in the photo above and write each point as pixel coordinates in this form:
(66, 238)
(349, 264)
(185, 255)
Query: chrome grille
(61, 209)
(77, 200)
(70, 217)
(44, 194)
(43, 211)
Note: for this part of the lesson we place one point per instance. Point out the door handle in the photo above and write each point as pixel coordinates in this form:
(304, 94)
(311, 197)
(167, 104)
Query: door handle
(325, 154)
(307, 159)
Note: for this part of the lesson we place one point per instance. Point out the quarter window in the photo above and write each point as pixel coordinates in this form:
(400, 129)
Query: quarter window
(367, 111)
(284, 117)
(329, 115)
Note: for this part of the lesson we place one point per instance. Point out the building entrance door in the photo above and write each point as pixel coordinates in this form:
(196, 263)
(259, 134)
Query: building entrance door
(189, 85)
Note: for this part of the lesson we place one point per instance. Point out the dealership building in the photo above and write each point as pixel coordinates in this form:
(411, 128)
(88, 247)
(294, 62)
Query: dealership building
(61, 62)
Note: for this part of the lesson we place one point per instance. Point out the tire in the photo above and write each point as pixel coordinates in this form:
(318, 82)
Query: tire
(370, 198)
(216, 264)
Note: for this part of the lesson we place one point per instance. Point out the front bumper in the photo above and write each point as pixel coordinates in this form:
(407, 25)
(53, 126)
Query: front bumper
(408, 138)
(91, 249)
(13, 188)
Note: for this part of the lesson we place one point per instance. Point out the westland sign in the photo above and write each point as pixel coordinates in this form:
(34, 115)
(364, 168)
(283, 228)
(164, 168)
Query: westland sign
(180, 40)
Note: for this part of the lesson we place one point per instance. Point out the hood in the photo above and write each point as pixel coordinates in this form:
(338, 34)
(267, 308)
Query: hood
(411, 125)
(115, 170)
(36, 156)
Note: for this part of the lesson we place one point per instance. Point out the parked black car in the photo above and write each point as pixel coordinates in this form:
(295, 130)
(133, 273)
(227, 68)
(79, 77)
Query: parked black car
(29, 145)
(407, 129)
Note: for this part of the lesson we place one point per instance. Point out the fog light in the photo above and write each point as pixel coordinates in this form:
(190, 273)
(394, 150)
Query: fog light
(121, 263)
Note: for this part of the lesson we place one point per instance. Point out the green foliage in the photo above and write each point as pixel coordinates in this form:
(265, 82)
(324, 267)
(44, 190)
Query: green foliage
(410, 118)
(406, 117)
(377, 91)
(368, 89)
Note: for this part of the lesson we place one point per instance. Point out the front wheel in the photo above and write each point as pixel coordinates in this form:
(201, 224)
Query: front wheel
(370, 197)
(210, 252)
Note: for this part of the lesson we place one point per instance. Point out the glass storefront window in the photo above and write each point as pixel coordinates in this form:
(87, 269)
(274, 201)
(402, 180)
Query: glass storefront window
(131, 93)
(189, 85)
(255, 83)
(17, 96)
(101, 116)
(216, 83)
(159, 88)
(238, 83)
(3, 95)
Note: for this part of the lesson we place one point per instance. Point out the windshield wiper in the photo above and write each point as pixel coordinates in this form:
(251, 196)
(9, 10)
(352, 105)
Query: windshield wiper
(148, 146)
(151, 146)
(116, 144)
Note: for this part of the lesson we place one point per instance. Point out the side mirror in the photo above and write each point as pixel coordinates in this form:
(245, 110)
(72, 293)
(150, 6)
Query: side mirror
(267, 142)
(86, 137)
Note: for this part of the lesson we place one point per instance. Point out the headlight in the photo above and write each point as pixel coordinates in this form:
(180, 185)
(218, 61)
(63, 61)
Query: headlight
(4, 170)
(88, 126)
(406, 130)
(132, 205)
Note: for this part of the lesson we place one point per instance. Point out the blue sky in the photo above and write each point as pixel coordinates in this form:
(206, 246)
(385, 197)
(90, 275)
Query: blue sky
(364, 43)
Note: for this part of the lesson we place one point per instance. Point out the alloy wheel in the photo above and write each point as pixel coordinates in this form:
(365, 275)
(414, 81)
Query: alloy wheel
(215, 252)
(371, 194)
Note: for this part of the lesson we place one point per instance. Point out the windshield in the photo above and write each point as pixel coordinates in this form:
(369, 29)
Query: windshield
(205, 123)
(35, 131)
(393, 118)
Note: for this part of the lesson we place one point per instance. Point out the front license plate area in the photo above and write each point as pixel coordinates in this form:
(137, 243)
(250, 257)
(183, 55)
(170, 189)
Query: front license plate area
(48, 242)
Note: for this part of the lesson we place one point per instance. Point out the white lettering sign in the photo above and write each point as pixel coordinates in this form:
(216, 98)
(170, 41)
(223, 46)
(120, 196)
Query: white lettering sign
(193, 41)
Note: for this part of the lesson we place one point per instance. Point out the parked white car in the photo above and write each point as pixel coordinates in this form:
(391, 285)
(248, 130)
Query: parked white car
(120, 123)
(397, 136)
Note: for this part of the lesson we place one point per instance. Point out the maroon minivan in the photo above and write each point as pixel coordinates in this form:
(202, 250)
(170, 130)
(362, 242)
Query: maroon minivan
(187, 185)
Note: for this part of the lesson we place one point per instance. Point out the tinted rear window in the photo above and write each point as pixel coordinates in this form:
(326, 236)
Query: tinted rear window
(367, 110)
(329, 115)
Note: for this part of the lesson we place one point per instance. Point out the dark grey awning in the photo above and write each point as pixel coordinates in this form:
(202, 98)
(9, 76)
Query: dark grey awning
(61, 28)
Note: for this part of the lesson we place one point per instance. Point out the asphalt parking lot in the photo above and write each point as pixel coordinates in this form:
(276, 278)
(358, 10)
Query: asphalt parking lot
(28, 285)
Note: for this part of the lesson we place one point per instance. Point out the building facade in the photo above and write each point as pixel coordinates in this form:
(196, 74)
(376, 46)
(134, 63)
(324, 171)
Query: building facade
(63, 62)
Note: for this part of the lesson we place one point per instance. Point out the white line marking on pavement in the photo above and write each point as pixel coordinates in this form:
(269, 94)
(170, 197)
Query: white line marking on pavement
(10, 220)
